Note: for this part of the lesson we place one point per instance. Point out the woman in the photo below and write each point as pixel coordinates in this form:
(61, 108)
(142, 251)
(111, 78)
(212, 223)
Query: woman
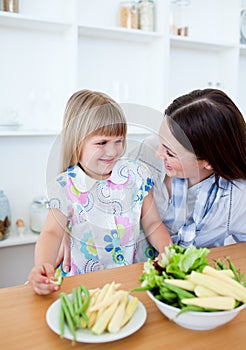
(200, 176)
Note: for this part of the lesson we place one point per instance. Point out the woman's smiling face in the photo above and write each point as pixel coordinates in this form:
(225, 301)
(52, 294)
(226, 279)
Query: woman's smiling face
(178, 161)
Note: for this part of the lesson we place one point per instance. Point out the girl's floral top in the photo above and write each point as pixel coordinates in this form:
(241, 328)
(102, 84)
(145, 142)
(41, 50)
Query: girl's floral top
(104, 216)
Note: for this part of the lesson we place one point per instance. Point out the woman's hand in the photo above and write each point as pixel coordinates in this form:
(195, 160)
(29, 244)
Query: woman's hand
(64, 255)
(40, 277)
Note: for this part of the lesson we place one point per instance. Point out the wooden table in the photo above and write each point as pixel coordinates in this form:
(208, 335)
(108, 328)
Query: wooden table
(23, 324)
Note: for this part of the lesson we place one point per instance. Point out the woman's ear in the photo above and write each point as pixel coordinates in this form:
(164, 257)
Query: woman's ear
(207, 166)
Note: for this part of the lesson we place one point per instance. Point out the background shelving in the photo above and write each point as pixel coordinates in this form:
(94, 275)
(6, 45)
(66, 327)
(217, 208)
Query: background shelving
(52, 48)
(47, 55)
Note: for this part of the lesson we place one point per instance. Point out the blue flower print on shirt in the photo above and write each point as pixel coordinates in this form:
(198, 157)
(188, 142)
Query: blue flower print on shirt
(143, 189)
(71, 172)
(61, 181)
(114, 247)
(148, 185)
(118, 256)
(150, 252)
(88, 247)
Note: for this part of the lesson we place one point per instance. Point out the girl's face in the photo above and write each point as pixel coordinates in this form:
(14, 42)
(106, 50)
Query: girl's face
(99, 155)
(178, 161)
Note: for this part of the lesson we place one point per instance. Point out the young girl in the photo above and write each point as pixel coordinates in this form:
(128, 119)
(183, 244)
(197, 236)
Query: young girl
(98, 199)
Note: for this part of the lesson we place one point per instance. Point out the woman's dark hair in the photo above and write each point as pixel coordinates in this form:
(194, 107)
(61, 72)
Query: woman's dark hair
(215, 129)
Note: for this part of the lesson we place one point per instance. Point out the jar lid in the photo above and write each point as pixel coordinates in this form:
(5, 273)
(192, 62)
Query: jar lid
(40, 200)
(130, 3)
(243, 26)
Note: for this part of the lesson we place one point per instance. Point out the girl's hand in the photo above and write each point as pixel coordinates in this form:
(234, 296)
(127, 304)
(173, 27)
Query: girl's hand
(40, 277)
(64, 255)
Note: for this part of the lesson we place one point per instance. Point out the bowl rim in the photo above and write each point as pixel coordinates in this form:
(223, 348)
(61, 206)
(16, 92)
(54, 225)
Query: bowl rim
(200, 313)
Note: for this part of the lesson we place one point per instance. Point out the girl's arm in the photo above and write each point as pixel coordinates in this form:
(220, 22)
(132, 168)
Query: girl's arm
(155, 231)
(46, 251)
(49, 241)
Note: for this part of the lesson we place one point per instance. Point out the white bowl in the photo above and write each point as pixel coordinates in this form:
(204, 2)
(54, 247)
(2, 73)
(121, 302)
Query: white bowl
(196, 320)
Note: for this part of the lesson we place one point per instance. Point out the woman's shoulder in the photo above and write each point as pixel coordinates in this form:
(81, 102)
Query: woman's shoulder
(239, 188)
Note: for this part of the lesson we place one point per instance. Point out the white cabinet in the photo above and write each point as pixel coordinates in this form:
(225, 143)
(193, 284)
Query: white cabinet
(46, 55)
(51, 49)
(16, 259)
(210, 56)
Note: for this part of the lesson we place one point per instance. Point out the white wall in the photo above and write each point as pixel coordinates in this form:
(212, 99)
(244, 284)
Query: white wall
(23, 171)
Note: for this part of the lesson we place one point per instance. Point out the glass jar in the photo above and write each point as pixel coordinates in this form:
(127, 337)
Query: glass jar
(38, 214)
(11, 5)
(243, 26)
(146, 15)
(5, 216)
(128, 14)
(179, 17)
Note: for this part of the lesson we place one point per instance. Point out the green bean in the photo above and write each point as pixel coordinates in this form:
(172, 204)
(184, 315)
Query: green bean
(69, 318)
(190, 308)
(61, 320)
(73, 310)
(85, 317)
(76, 306)
(140, 289)
(68, 303)
(237, 276)
(181, 293)
(86, 301)
(87, 297)
(79, 297)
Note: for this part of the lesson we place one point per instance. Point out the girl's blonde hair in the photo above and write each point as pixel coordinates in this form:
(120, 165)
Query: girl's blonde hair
(89, 113)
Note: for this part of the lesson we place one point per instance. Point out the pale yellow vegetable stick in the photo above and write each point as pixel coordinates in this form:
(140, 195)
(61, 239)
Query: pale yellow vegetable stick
(227, 273)
(94, 291)
(184, 284)
(92, 319)
(107, 294)
(218, 302)
(117, 318)
(106, 290)
(208, 270)
(217, 285)
(131, 307)
(103, 292)
(117, 286)
(104, 295)
(102, 322)
(201, 291)
(117, 295)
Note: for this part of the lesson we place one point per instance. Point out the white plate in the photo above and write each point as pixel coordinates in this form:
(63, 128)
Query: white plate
(86, 336)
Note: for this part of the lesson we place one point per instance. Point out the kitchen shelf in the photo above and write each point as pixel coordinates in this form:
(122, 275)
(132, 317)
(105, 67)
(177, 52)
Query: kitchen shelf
(117, 33)
(189, 43)
(15, 20)
(26, 133)
(16, 240)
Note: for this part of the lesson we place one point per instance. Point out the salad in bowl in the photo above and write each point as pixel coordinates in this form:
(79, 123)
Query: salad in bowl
(190, 292)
